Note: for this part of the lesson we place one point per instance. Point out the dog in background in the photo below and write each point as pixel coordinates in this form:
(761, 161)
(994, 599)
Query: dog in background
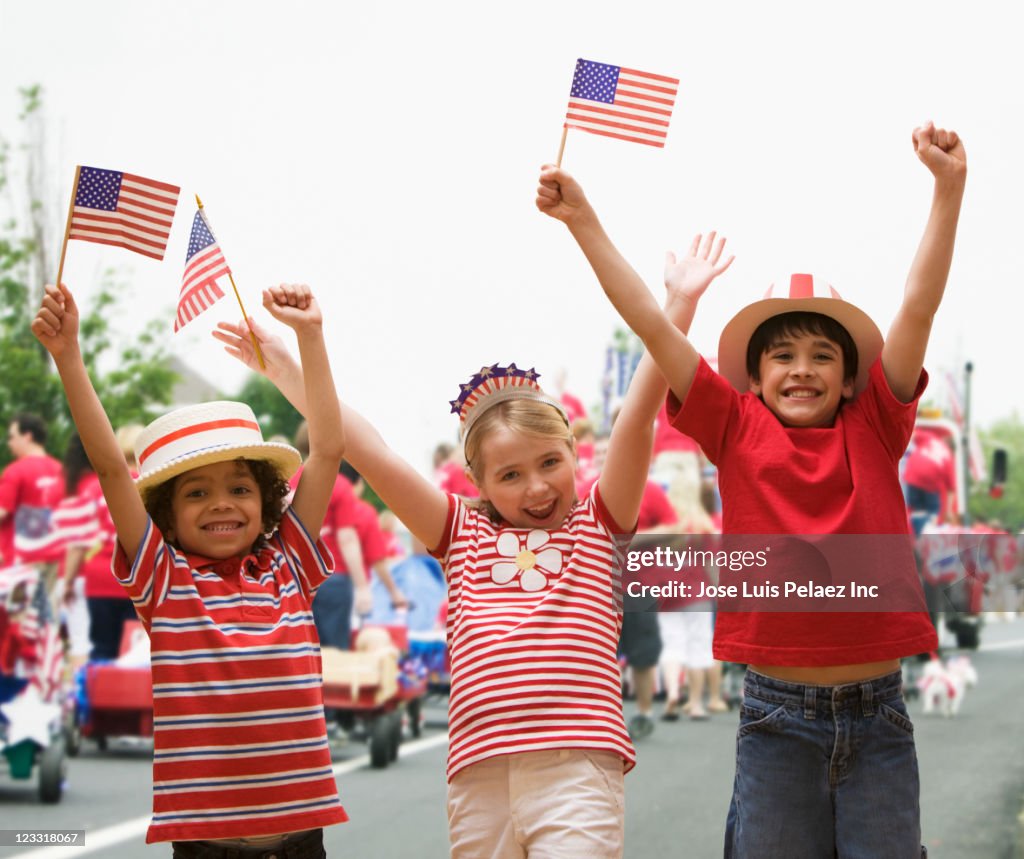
(943, 685)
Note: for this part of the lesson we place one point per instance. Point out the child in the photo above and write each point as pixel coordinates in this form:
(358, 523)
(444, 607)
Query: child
(825, 755)
(538, 746)
(222, 578)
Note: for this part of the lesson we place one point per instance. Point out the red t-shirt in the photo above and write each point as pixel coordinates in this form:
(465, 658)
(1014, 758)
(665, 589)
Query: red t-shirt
(85, 520)
(30, 488)
(451, 477)
(930, 465)
(655, 508)
(667, 438)
(841, 479)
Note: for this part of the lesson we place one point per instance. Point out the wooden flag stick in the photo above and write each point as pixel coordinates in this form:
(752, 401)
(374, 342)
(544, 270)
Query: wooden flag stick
(67, 226)
(245, 316)
(561, 148)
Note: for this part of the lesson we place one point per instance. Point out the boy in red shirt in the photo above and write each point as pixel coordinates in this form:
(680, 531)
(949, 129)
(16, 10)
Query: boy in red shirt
(807, 428)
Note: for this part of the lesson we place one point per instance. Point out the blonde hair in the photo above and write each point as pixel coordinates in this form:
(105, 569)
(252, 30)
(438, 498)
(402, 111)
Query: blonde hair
(529, 417)
(684, 493)
(126, 437)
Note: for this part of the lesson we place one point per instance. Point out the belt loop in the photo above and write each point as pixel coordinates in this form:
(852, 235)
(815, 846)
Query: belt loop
(867, 699)
(809, 698)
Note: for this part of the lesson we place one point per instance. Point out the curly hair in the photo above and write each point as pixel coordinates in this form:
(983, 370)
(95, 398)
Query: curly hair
(159, 501)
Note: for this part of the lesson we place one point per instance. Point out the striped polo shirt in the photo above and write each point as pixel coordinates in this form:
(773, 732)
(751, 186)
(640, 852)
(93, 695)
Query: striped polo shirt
(533, 626)
(240, 744)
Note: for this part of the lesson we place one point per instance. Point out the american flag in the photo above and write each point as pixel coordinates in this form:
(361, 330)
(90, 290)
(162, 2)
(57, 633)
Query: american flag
(622, 103)
(121, 209)
(204, 263)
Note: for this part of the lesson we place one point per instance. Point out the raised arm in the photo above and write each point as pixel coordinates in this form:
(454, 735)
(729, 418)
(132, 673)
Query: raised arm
(561, 197)
(56, 327)
(294, 305)
(410, 496)
(629, 448)
(903, 354)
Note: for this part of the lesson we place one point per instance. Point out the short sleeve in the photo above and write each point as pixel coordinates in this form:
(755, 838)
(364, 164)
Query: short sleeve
(892, 419)
(146, 578)
(9, 487)
(711, 406)
(455, 506)
(309, 559)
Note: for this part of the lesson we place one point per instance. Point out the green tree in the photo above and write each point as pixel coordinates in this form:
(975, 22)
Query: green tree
(275, 414)
(130, 375)
(1009, 508)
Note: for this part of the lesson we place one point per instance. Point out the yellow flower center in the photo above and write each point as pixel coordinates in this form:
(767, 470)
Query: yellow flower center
(525, 560)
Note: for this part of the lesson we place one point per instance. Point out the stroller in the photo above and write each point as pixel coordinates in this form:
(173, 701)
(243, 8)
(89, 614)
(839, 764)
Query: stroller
(32, 698)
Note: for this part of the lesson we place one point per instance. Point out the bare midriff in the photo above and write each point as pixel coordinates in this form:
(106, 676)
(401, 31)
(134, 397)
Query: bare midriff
(829, 675)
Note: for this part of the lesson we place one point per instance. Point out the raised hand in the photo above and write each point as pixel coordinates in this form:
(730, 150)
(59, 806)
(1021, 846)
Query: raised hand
(56, 322)
(559, 195)
(941, 151)
(293, 304)
(691, 274)
(238, 343)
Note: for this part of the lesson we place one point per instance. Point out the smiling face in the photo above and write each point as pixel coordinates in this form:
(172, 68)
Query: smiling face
(529, 479)
(802, 378)
(216, 510)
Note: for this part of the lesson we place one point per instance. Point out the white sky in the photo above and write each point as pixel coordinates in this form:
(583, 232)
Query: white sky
(387, 154)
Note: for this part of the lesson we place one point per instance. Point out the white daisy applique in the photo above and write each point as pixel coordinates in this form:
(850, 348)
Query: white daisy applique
(530, 560)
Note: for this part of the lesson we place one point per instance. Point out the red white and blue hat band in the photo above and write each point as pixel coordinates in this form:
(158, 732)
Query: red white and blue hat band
(797, 292)
(199, 435)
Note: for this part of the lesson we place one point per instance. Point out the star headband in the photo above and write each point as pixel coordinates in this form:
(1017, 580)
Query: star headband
(493, 385)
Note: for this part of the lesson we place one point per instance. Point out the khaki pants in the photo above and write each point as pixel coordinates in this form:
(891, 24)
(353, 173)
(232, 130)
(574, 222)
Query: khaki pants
(557, 804)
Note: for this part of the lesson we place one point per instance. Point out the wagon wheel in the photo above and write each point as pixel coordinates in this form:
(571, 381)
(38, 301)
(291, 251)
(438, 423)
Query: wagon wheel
(52, 770)
(394, 734)
(380, 742)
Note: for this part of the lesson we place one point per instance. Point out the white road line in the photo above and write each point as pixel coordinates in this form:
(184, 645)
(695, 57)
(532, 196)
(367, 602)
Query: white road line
(1003, 645)
(101, 839)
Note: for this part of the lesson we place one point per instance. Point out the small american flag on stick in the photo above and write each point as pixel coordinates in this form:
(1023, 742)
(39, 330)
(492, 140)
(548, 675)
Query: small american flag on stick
(620, 102)
(122, 209)
(204, 263)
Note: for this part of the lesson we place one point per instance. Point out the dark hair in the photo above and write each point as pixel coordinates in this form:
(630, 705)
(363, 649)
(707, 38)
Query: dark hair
(76, 464)
(347, 471)
(31, 424)
(159, 500)
(796, 323)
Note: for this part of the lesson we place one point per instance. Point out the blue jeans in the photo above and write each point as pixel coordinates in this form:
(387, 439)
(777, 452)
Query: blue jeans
(332, 611)
(824, 772)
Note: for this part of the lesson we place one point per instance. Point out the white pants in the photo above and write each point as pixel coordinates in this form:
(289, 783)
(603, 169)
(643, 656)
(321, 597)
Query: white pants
(557, 804)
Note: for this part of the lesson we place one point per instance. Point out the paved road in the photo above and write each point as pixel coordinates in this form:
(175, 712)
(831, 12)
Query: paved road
(972, 771)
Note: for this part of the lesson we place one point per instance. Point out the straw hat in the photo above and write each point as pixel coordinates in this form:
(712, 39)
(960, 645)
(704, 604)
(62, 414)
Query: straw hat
(802, 292)
(199, 435)
(493, 385)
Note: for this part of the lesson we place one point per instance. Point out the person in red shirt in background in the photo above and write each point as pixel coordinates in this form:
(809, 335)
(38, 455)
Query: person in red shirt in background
(348, 585)
(372, 540)
(929, 476)
(450, 471)
(91, 542)
(30, 487)
(640, 640)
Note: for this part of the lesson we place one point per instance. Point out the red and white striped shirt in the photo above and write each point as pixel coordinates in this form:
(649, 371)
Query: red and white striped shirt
(240, 743)
(533, 627)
